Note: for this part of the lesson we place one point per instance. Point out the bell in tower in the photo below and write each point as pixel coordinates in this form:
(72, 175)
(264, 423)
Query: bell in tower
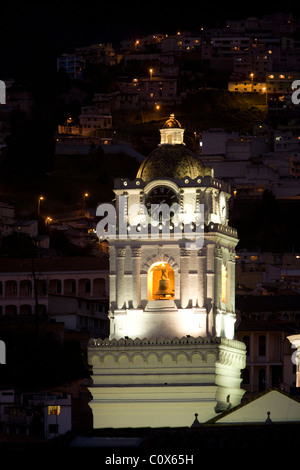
(161, 282)
(164, 286)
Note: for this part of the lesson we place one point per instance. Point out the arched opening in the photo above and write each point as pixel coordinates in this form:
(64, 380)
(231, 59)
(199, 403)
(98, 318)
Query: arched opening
(246, 340)
(262, 345)
(170, 138)
(246, 376)
(161, 285)
(261, 380)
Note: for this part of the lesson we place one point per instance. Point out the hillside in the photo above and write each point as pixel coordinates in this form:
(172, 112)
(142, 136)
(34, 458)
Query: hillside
(64, 180)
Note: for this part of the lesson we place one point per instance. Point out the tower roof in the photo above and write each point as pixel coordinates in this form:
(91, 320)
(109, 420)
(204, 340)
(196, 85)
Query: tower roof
(173, 161)
(172, 158)
(172, 122)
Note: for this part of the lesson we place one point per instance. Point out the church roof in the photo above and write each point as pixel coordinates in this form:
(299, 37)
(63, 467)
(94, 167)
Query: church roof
(284, 408)
(173, 161)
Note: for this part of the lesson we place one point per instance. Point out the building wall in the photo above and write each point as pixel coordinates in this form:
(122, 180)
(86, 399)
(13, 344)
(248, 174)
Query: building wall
(17, 293)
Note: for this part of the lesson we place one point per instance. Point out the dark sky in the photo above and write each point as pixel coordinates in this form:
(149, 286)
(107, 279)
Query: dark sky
(40, 32)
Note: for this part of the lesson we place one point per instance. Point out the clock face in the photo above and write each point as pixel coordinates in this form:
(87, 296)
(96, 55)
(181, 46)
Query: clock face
(222, 208)
(159, 196)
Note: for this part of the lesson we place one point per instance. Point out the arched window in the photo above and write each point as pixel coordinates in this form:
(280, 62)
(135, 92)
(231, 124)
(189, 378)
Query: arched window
(58, 287)
(246, 376)
(246, 340)
(224, 283)
(261, 380)
(161, 282)
(262, 345)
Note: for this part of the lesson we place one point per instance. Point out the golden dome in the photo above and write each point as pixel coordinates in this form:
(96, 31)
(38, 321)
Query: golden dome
(172, 122)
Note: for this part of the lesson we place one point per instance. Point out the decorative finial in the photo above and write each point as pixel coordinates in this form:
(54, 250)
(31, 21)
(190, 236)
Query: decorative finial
(268, 420)
(196, 423)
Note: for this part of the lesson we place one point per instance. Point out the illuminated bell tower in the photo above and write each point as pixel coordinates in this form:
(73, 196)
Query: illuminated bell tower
(172, 296)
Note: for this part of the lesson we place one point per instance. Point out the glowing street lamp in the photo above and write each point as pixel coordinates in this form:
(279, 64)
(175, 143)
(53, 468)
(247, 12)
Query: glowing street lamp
(41, 198)
(252, 75)
(84, 201)
(151, 73)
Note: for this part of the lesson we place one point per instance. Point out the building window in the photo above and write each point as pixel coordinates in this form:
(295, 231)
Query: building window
(161, 282)
(53, 428)
(262, 345)
(54, 410)
(246, 340)
(261, 380)
(246, 376)
(87, 287)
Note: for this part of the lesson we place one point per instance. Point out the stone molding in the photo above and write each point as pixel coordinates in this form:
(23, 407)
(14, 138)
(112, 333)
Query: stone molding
(227, 352)
(96, 342)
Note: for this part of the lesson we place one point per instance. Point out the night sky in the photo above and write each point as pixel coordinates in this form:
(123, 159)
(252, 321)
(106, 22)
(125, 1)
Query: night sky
(41, 32)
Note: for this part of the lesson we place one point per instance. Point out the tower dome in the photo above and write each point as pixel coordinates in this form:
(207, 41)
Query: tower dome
(172, 122)
(172, 159)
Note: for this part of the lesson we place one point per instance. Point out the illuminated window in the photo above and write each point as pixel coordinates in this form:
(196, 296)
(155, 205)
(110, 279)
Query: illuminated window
(160, 282)
(54, 410)
(224, 283)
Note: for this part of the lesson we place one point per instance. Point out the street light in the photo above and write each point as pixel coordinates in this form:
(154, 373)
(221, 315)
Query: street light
(41, 198)
(151, 73)
(252, 75)
(84, 201)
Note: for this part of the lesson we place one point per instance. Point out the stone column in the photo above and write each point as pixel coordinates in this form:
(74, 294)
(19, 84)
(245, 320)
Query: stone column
(295, 341)
(201, 277)
(210, 288)
(218, 278)
(120, 279)
(230, 294)
(136, 277)
(184, 277)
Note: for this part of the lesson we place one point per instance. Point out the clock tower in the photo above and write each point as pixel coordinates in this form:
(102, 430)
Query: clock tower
(171, 351)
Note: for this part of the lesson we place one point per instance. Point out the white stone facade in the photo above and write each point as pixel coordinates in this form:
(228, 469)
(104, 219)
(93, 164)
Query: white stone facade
(163, 382)
(199, 306)
(171, 351)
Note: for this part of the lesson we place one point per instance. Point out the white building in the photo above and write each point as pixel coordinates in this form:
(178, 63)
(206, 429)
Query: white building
(48, 285)
(171, 350)
(41, 415)
(73, 64)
